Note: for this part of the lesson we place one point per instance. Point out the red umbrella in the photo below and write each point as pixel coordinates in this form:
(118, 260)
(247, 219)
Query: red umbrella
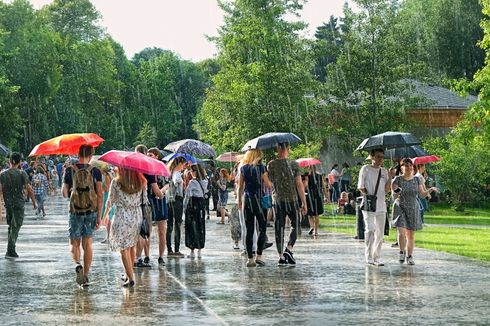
(425, 159)
(229, 157)
(66, 144)
(305, 162)
(135, 161)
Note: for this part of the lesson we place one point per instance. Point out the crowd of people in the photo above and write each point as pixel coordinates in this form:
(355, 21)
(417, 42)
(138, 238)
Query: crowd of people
(279, 191)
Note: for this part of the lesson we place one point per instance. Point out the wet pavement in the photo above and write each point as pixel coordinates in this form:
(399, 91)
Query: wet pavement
(329, 286)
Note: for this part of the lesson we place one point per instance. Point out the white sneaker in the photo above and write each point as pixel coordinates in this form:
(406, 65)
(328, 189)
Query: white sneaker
(199, 253)
(192, 254)
(402, 257)
(236, 246)
(410, 260)
(370, 261)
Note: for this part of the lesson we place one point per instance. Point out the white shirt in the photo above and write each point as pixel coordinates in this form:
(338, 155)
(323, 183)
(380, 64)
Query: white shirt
(368, 175)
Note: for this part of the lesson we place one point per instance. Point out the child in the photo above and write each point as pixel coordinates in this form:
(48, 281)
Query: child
(344, 199)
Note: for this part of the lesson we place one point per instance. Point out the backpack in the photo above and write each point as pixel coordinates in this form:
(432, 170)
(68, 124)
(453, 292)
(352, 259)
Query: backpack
(83, 195)
(36, 181)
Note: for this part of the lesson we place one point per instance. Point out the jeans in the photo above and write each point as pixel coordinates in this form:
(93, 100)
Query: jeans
(15, 219)
(253, 210)
(40, 202)
(334, 197)
(374, 223)
(281, 209)
(175, 210)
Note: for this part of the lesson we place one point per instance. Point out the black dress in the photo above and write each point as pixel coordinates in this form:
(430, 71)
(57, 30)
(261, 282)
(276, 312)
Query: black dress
(314, 198)
(195, 223)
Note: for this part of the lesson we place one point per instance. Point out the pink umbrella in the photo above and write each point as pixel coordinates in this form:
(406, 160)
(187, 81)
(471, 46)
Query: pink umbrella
(136, 162)
(229, 157)
(305, 162)
(425, 159)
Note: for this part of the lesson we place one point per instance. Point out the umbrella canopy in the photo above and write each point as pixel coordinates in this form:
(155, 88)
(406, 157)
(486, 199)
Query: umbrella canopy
(188, 157)
(229, 157)
(425, 159)
(401, 152)
(271, 140)
(66, 144)
(4, 150)
(135, 161)
(305, 162)
(98, 163)
(191, 146)
(389, 139)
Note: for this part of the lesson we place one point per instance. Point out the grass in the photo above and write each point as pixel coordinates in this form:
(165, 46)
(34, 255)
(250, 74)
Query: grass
(464, 241)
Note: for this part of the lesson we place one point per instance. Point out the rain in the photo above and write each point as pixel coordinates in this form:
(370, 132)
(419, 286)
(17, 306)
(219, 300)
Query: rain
(305, 116)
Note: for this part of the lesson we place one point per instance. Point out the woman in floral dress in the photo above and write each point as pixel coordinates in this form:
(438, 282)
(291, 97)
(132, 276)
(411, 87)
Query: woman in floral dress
(127, 193)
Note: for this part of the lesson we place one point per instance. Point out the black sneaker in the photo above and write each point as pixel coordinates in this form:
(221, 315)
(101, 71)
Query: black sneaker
(141, 263)
(85, 282)
(11, 255)
(161, 262)
(310, 232)
(282, 262)
(128, 284)
(288, 255)
(80, 279)
(147, 260)
(267, 245)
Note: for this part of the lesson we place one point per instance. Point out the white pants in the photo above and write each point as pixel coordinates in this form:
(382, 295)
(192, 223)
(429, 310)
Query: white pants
(374, 224)
(244, 231)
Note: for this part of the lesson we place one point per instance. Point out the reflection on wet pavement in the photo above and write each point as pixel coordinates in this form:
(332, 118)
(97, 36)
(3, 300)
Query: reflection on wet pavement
(329, 286)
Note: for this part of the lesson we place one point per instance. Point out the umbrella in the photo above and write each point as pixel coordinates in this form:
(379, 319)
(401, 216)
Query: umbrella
(4, 150)
(229, 157)
(188, 157)
(305, 162)
(66, 144)
(401, 152)
(425, 159)
(389, 139)
(135, 161)
(191, 146)
(271, 140)
(98, 163)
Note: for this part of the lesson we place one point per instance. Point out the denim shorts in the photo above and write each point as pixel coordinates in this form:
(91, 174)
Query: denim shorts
(82, 225)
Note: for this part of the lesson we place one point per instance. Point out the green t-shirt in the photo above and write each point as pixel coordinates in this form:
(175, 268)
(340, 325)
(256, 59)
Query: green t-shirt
(282, 173)
(13, 183)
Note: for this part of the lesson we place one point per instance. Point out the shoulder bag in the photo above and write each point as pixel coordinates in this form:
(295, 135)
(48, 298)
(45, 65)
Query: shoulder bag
(368, 202)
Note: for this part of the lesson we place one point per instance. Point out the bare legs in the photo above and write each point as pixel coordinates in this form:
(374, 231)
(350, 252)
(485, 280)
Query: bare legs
(406, 240)
(87, 252)
(127, 257)
(162, 237)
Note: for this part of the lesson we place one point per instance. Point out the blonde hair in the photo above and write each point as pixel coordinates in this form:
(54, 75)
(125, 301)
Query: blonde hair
(252, 157)
(130, 181)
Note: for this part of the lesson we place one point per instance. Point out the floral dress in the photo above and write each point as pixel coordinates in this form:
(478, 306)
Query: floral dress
(406, 211)
(127, 219)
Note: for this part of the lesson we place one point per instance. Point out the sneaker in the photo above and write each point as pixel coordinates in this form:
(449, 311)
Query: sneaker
(161, 262)
(192, 254)
(104, 241)
(394, 245)
(178, 254)
(236, 246)
(311, 232)
(11, 255)
(410, 260)
(244, 253)
(259, 262)
(128, 284)
(147, 260)
(402, 257)
(124, 278)
(282, 262)
(251, 263)
(80, 279)
(267, 245)
(378, 263)
(288, 255)
(370, 262)
(140, 263)
(170, 253)
(85, 282)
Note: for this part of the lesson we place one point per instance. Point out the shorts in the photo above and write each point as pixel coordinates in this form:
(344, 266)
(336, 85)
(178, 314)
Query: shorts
(82, 225)
(159, 209)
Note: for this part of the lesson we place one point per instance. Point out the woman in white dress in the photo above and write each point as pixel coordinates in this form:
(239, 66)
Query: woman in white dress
(127, 193)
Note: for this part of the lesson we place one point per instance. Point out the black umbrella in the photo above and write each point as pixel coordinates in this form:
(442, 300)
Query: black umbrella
(191, 146)
(4, 150)
(271, 140)
(389, 139)
(401, 152)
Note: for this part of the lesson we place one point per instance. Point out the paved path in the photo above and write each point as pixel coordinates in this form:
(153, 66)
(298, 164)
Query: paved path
(329, 286)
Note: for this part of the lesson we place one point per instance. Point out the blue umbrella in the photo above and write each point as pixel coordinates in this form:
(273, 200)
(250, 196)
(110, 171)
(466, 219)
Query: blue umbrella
(188, 157)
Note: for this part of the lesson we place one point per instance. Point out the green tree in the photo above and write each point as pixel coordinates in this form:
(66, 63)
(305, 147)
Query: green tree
(265, 72)
(146, 136)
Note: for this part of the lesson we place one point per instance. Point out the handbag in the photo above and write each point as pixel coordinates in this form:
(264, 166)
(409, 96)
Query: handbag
(146, 223)
(369, 201)
(205, 194)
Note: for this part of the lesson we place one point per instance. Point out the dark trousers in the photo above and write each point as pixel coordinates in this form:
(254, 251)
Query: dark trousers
(214, 193)
(335, 195)
(281, 210)
(15, 218)
(174, 223)
(344, 185)
(253, 210)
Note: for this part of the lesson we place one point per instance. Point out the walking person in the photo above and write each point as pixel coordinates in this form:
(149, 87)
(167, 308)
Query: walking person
(107, 212)
(285, 176)
(335, 176)
(406, 211)
(252, 176)
(127, 193)
(374, 180)
(317, 194)
(40, 186)
(85, 209)
(195, 211)
(13, 183)
(346, 178)
(223, 193)
(175, 203)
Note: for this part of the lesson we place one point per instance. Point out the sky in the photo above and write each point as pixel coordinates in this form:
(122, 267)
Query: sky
(181, 25)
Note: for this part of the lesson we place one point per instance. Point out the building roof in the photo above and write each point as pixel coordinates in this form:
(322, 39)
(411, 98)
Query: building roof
(440, 97)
